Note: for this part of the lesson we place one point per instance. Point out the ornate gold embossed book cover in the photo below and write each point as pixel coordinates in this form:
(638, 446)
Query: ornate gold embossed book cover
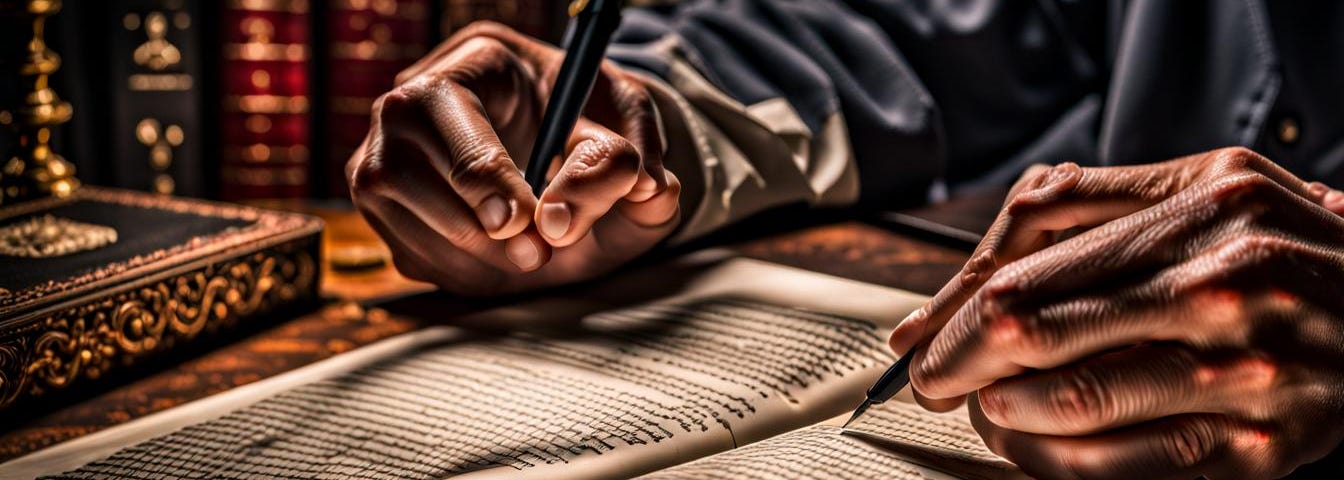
(102, 279)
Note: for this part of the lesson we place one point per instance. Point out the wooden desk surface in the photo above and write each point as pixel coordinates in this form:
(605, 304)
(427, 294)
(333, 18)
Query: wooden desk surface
(848, 249)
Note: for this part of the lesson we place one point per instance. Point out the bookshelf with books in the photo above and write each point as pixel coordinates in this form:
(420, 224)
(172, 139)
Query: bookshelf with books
(245, 99)
(367, 42)
(264, 117)
(136, 73)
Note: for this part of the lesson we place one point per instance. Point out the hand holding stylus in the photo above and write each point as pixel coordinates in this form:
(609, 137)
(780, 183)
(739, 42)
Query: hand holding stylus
(438, 175)
(1153, 344)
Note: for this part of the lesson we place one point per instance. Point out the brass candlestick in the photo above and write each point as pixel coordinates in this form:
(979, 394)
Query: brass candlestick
(32, 169)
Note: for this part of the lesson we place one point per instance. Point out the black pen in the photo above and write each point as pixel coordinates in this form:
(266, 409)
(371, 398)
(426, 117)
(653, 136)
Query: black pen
(594, 23)
(893, 380)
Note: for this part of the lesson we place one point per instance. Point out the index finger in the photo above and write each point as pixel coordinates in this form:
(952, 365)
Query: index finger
(464, 144)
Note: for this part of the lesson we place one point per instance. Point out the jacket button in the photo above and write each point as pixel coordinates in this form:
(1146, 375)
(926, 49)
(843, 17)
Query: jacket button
(1289, 131)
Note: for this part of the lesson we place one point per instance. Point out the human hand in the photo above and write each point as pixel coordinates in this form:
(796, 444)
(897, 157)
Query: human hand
(1194, 329)
(439, 176)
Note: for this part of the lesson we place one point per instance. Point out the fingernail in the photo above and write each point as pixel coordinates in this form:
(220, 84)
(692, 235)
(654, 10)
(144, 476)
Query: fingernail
(522, 252)
(1317, 189)
(495, 212)
(1333, 197)
(554, 221)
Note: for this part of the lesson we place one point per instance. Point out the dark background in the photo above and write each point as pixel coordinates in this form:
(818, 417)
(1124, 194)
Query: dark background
(335, 78)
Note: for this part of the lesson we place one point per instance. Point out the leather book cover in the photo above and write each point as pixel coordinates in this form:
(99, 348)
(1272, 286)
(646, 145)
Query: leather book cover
(106, 278)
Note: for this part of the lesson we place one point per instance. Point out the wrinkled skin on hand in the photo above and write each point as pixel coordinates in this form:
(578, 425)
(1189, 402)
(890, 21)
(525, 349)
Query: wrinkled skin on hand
(1192, 328)
(438, 175)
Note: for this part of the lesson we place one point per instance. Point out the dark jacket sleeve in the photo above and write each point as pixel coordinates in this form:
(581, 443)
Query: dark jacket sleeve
(925, 93)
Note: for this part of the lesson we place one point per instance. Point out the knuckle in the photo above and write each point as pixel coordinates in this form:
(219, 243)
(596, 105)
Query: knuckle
(1219, 316)
(371, 174)
(981, 267)
(1234, 159)
(1030, 338)
(1239, 188)
(606, 154)
(400, 104)
(480, 53)
(478, 28)
(1258, 373)
(1252, 249)
(633, 96)
(1080, 400)
(484, 44)
(484, 27)
(483, 167)
(1001, 281)
(1051, 184)
(1189, 443)
(1022, 202)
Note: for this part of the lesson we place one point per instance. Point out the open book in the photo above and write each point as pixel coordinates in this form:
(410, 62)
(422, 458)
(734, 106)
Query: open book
(707, 367)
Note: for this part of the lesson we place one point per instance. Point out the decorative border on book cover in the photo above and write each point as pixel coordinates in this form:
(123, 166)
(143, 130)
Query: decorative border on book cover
(263, 224)
(112, 331)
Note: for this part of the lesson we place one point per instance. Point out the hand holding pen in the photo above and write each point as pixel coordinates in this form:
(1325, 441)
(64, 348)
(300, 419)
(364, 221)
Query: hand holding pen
(1148, 321)
(1005, 237)
(439, 175)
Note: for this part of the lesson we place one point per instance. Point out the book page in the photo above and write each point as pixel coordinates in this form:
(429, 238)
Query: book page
(740, 351)
(897, 440)
(814, 452)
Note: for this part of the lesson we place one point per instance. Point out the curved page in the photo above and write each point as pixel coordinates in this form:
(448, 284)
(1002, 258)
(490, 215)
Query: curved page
(897, 440)
(738, 351)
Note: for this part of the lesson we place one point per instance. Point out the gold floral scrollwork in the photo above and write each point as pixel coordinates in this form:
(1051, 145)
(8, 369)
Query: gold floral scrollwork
(137, 328)
(88, 340)
(12, 379)
(56, 363)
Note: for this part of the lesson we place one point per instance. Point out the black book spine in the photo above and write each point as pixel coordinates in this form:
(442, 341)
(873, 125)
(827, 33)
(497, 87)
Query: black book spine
(157, 70)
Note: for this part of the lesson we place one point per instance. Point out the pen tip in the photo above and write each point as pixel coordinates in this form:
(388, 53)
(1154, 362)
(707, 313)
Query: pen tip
(857, 413)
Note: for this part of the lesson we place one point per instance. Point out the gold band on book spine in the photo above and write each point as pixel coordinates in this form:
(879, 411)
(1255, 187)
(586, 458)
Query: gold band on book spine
(85, 341)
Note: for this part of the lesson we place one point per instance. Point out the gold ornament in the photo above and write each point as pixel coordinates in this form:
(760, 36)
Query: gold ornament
(32, 169)
(87, 340)
(47, 236)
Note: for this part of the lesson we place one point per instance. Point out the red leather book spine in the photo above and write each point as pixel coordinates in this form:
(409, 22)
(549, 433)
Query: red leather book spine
(368, 42)
(265, 94)
(538, 18)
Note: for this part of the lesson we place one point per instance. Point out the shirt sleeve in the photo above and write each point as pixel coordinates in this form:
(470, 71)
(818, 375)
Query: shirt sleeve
(871, 102)
(759, 103)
